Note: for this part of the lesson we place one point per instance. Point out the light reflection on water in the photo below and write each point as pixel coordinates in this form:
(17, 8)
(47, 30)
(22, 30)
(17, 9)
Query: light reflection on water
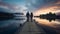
(49, 26)
(11, 25)
(47, 22)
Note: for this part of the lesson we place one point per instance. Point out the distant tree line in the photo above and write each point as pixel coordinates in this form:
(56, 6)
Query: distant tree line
(50, 16)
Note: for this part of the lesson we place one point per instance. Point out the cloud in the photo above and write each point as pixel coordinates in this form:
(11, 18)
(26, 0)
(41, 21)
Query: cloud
(20, 8)
(6, 5)
(37, 4)
(49, 6)
(31, 5)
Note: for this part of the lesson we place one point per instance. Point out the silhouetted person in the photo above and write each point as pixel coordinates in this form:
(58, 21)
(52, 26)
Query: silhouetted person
(31, 16)
(27, 15)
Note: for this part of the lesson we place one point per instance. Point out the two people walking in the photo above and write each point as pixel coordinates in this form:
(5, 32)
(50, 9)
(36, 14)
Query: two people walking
(29, 16)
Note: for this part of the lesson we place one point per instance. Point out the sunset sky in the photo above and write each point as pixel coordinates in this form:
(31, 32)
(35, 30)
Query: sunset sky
(35, 6)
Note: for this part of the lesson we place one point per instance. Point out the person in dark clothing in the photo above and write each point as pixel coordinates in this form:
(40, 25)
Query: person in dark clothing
(31, 16)
(27, 15)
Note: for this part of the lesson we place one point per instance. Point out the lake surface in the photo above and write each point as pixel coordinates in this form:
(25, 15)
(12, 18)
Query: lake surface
(55, 24)
(11, 25)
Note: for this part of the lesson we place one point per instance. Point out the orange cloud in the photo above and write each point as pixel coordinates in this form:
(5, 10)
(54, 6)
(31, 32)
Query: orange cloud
(45, 10)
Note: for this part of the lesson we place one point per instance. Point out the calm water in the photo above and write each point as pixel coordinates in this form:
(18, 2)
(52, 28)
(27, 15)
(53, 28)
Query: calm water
(11, 25)
(47, 22)
(55, 24)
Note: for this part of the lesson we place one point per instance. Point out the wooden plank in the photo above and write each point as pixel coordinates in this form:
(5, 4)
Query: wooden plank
(31, 28)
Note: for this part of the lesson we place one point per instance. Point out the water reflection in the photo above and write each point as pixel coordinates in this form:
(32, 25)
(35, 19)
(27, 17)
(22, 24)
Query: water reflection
(9, 26)
(51, 20)
(47, 22)
(55, 24)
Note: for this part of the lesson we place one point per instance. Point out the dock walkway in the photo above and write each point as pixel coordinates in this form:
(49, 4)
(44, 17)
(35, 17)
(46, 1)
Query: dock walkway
(31, 28)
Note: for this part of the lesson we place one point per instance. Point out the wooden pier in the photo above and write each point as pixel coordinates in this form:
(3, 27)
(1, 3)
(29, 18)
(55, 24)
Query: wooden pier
(30, 28)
